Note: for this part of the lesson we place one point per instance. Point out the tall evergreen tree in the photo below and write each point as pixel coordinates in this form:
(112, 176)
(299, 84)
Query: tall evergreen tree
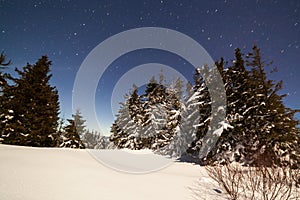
(183, 143)
(162, 112)
(201, 102)
(32, 107)
(274, 135)
(3, 84)
(126, 130)
(231, 143)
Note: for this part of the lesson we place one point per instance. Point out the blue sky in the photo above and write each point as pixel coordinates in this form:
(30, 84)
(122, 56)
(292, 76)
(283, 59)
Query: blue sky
(67, 31)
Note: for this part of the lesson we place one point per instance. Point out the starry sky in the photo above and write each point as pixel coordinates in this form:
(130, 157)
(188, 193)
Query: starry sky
(68, 30)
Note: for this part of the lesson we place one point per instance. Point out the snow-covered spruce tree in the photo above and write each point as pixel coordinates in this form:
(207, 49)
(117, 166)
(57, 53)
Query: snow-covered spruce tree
(162, 112)
(33, 106)
(275, 138)
(195, 116)
(167, 123)
(212, 121)
(4, 114)
(135, 106)
(182, 120)
(70, 137)
(231, 143)
(154, 113)
(125, 130)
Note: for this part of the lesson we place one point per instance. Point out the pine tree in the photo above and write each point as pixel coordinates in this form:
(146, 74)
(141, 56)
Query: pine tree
(79, 122)
(125, 131)
(263, 131)
(135, 106)
(275, 135)
(184, 138)
(3, 84)
(74, 132)
(199, 109)
(32, 106)
(162, 112)
(231, 143)
(71, 138)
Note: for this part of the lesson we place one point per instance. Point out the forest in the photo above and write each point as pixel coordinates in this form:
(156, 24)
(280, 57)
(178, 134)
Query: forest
(171, 119)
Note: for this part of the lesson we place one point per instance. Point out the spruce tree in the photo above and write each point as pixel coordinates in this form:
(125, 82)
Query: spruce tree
(162, 112)
(275, 137)
(264, 131)
(71, 138)
(32, 106)
(3, 84)
(79, 122)
(126, 133)
(231, 144)
(183, 143)
(74, 132)
(199, 109)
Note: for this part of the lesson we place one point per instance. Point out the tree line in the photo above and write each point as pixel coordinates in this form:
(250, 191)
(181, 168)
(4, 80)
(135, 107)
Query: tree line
(258, 128)
(171, 119)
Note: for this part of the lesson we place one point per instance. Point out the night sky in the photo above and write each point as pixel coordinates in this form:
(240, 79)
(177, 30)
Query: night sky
(67, 31)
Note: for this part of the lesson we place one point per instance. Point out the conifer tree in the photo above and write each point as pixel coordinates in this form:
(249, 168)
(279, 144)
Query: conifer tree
(3, 84)
(184, 138)
(231, 143)
(264, 131)
(74, 132)
(32, 106)
(162, 112)
(79, 122)
(274, 134)
(125, 131)
(200, 101)
(71, 138)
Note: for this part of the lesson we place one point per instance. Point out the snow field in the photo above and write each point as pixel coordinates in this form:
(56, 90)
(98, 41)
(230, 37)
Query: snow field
(51, 173)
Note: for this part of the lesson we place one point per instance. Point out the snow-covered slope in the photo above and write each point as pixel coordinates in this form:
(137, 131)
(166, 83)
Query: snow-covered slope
(44, 173)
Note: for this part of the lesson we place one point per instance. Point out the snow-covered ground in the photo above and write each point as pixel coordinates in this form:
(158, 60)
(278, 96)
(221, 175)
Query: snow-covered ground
(50, 173)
